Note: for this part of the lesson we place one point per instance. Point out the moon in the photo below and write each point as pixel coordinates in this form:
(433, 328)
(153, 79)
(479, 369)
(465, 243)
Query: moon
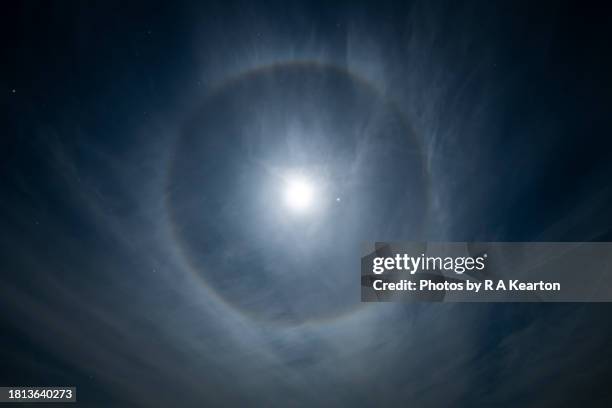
(299, 194)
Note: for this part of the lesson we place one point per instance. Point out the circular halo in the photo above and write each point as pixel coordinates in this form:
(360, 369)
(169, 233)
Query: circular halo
(213, 240)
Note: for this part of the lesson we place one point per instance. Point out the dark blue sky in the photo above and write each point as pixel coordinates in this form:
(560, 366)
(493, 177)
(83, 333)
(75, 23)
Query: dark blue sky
(144, 256)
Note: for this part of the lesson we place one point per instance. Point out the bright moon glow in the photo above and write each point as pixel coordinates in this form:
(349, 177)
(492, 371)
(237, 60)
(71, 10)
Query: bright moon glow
(299, 195)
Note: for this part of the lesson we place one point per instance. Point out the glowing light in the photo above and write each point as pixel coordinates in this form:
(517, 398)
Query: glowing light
(300, 194)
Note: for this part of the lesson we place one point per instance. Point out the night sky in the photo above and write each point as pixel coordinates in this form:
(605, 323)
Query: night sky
(147, 252)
